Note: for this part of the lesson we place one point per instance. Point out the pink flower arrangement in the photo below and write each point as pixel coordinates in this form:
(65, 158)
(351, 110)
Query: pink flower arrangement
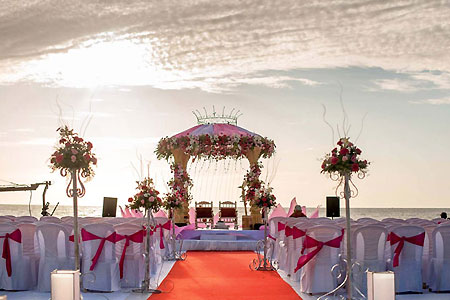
(344, 161)
(147, 196)
(214, 146)
(180, 186)
(73, 153)
(252, 182)
(173, 201)
(265, 198)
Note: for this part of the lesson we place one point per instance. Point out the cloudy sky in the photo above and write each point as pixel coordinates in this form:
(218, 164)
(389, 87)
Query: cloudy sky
(139, 68)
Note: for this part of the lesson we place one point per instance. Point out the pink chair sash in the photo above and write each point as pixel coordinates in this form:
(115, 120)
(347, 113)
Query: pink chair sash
(311, 242)
(87, 236)
(294, 232)
(288, 231)
(166, 226)
(137, 237)
(16, 236)
(281, 226)
(394, 239)
(297, 233)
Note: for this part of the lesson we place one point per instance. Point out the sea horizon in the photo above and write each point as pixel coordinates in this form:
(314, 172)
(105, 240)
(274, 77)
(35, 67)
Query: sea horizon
(378, 213)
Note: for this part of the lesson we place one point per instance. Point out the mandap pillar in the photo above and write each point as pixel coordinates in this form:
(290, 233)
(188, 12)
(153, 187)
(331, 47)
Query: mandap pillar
(255, 212)
(181, 215)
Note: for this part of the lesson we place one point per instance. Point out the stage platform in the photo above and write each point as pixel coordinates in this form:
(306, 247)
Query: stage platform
(221, 239)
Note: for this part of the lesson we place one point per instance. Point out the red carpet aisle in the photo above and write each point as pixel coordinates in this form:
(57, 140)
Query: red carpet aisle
(222, 276)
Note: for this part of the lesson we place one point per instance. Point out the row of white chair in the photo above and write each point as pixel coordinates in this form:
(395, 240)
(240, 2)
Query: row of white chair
(370, 248)
(45, 246)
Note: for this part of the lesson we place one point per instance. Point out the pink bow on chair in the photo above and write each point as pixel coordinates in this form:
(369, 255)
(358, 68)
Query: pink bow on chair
(167, 226)
(16, 236)
(137, 237)
(87, 236)
(281, 226)
(310, 243)
(394, 239)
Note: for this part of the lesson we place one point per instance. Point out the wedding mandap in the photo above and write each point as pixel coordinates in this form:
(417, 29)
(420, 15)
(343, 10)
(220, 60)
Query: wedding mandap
(215, 138)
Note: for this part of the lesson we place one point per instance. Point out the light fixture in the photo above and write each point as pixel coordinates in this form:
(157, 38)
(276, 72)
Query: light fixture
(381, 285)
(65, 285)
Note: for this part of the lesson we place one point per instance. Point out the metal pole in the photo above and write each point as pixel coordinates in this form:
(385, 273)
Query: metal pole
(75, 219)
(173, 233)
(265, 237)
(147, 253)
(348, 229)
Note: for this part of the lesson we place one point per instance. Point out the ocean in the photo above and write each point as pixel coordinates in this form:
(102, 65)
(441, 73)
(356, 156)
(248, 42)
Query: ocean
(355, 213)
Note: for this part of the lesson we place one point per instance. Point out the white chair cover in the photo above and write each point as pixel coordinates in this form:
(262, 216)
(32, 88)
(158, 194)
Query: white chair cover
(158, 252)
(440, 261)
(396, 220)
(368, 250)
(427, 250)
(50, 219)
(21, 273)
(26, 219)
(134, 264)
(53, 241)
(5, 219)
(367, 220)
(316, 276)
(115, 221)
(275, 234)
(30, 247)
(295, 246)
(106, 272)
(283, 257)
(408, 274)
(67, 219)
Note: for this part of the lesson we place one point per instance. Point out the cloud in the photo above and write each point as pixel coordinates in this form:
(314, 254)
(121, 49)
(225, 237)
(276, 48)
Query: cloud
(409, 82)
(61, 42)
(436, 101)
(398, 85)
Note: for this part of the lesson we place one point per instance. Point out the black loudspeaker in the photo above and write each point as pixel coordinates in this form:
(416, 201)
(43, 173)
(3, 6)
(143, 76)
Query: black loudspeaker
(109, 207)
(333, 209)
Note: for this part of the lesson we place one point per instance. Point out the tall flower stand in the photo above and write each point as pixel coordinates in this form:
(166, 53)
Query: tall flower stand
(150, 223)
(263, 262)
(75, 192)
(348, 261)
(174, 254)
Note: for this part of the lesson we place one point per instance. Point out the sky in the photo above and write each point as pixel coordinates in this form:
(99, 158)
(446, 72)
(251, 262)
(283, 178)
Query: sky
(138, 69)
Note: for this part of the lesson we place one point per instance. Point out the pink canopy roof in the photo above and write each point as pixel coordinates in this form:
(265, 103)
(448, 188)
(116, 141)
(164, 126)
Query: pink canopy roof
(216, 129)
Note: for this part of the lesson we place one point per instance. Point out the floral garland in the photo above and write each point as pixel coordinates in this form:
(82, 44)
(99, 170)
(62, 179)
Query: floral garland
(215, 146)
(264, 198)
(73, 153)
(252, 182)
(345, 160)
(180, 186)
(147, 197)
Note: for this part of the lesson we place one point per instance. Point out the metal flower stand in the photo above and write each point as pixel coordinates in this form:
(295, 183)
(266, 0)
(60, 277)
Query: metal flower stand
(174, 254)
(145, 287)
(263, 262)
(348, 261)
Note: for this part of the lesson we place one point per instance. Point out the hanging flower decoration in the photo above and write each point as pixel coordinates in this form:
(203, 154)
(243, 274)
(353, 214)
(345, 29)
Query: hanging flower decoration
(179, 185)
(73, 153)
(147, 196)
(344, 160)
(252, 183)
(173, 201)
(214, 146)
(264, 198)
